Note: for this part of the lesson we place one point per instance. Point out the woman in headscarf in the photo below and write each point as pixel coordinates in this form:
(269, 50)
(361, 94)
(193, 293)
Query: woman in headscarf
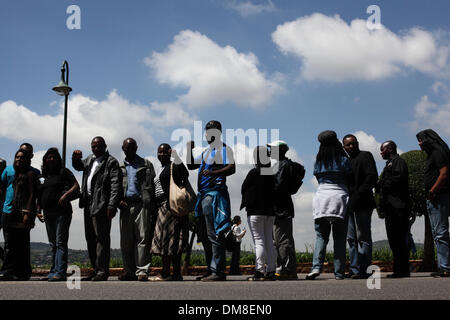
(437, 184)
(333, 172)
(171, 231)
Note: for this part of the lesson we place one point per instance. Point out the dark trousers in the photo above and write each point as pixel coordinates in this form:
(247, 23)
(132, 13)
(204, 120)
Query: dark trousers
(17, 250)
(284, 243)
(235, 259)
(202, 236)
(97, 231)
(397, 228)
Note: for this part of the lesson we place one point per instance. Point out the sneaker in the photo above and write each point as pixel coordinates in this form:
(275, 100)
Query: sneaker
(160, 278)
(270, 276)
(440, 274)
(56, 279)
(286, 276)
(89, 277)
(312, 275)
(127, 277)
(258, 276)
(339, 277)
(214, 277)
(142, 277)
(360, 276)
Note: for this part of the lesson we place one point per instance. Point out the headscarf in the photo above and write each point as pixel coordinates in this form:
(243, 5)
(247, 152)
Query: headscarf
(432, 141)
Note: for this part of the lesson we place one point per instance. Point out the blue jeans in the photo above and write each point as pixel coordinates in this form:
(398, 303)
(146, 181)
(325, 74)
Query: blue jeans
(217, 265)
(359, 238)
(323, 229)
(438, 211)
(58, 236)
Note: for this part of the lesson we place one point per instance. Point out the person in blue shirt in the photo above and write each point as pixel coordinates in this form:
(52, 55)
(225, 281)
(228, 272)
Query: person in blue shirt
(333, 172)
(213, 200)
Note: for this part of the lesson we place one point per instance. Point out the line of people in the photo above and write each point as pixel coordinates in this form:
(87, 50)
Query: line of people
(342, 205)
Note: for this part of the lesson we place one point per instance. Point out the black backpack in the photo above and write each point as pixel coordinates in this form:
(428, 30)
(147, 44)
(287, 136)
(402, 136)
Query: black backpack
(296, 175)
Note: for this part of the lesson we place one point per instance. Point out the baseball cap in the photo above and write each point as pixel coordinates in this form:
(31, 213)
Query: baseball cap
(278, 143)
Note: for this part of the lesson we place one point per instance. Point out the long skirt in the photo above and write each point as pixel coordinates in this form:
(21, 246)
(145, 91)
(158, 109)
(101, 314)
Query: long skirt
(171, 233)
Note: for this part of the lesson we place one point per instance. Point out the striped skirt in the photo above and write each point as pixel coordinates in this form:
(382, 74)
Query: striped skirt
(171, 233)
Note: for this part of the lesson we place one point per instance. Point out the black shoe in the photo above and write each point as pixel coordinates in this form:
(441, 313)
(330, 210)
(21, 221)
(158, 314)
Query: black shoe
(199, 278)
(89, 277)
(349, 275)
(270, 276)
(312, 275)
(258, 276)
(99, 278)
(214, 277)
(398, 275)
(440, 274)
(9, 277)
(360, 276)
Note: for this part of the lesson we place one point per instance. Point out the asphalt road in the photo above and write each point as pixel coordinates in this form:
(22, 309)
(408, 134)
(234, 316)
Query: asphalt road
(419, 286)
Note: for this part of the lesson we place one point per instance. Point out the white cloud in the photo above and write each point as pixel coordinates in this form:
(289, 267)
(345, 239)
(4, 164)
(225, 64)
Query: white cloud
(332, 50)
(248, 8)
(213, 74)
(429, 114)
(114, 118)
(438, 86)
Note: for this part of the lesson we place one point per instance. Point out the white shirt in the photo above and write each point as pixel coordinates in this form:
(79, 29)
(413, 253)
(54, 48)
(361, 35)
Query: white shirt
(91, 174)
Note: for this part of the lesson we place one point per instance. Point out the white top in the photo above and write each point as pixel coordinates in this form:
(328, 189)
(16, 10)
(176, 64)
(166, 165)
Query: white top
(238, 234)
(91, 174)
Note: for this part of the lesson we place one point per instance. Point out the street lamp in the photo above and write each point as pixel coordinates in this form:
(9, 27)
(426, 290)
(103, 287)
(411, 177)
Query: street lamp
(63, 89)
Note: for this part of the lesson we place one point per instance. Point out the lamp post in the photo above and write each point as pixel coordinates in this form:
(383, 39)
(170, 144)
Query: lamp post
(63, 89)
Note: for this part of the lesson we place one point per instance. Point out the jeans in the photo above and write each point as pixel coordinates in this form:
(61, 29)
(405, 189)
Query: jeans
(438, 211)
(323, 229)
(285, 246)
(261, 229)
(217, 265)
(135, 238)
(58, 236)
(359, 238)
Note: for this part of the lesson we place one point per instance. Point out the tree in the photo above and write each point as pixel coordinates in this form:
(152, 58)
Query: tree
(416, 161)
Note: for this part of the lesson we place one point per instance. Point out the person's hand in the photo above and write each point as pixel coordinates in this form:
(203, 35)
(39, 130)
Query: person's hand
(77, 154)
(431, 195)
(123, 204)
(27, 221)
(111, 213)
(40, 216)
(207, 173)
(63, 201)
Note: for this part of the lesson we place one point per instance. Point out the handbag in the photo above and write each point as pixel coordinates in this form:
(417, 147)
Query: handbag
(181, 199)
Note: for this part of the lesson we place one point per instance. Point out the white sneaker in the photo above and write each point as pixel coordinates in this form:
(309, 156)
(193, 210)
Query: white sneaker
(314, 274)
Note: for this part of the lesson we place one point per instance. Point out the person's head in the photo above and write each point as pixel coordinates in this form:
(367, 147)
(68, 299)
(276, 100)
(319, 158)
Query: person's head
(28, 148)
(278, 149)
(388, 149)
(330, 150)
(164, 152)
(429, 140)
(213, 130)
(236, 220)
(51, 161)
(261, 157)
(351, 145)
(98, 146)
(129, 148)
(22, 161)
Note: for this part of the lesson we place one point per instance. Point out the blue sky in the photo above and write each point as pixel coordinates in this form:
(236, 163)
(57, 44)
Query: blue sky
(146, 68)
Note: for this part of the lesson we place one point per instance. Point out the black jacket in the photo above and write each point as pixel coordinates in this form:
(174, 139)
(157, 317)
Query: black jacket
(106, 185)
(284, 207)
(365, 176)
(258, 193)
(394, 185)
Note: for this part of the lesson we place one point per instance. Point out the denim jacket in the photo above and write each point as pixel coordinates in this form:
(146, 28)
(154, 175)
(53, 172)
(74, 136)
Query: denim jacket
(336, 174)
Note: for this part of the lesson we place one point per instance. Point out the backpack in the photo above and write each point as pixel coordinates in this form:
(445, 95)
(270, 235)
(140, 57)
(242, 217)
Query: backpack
(230, 242)
(296, 174)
